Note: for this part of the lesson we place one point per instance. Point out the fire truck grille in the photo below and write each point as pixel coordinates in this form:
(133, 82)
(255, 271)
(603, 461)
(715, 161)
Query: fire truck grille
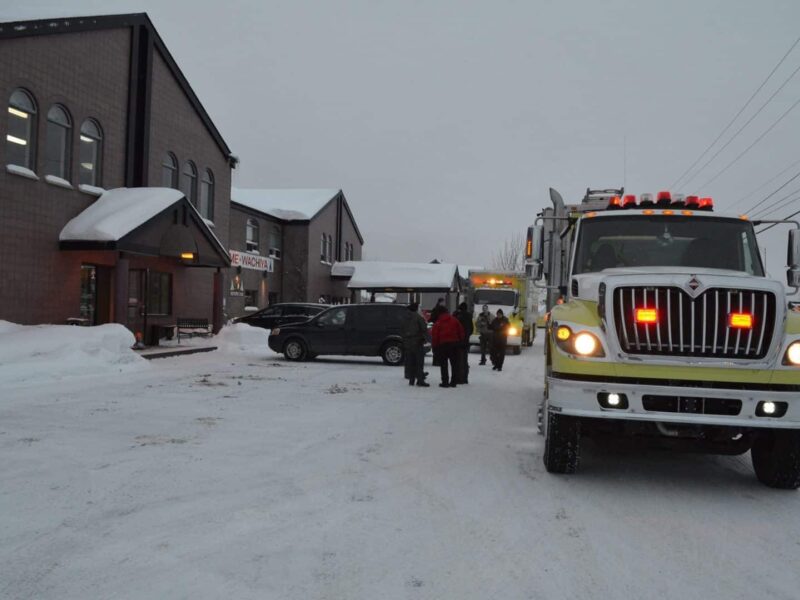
(686, 326)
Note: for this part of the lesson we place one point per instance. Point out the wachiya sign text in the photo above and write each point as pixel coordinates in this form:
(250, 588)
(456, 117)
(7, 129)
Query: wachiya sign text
(251, 261)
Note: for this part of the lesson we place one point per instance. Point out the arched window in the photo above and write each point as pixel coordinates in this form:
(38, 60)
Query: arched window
(21, 136)
(206, 206)
(90, 153)
(275, 241)
(189, 182)
(169, 171)
(57, 142)
(251, 235)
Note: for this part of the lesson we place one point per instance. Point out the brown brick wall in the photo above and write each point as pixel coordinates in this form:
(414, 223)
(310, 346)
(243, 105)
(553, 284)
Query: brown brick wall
(88, 74)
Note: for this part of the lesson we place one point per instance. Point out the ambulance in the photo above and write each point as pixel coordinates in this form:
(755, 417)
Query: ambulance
(663, 323)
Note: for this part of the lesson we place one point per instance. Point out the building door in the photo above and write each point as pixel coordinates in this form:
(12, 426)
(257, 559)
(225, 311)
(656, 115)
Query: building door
(88, 307)
(137, 305)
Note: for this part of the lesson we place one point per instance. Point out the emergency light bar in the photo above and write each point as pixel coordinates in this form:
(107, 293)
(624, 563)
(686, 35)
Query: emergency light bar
(664, 199)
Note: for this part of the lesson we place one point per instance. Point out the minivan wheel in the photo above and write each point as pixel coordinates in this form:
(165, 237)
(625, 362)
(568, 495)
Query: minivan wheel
(392, 354)
(295, 350)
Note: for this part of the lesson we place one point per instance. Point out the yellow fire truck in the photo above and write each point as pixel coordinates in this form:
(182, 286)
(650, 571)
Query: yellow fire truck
(509, 291)
(663, 323)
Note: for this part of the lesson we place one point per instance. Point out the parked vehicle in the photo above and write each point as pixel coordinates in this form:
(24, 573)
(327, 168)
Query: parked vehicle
(282, 314)
(351, 329)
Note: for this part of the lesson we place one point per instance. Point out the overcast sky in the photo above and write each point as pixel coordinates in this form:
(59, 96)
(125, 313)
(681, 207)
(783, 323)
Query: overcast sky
(446, 122)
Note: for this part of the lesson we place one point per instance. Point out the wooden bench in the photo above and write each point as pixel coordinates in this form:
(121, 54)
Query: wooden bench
(192, 328)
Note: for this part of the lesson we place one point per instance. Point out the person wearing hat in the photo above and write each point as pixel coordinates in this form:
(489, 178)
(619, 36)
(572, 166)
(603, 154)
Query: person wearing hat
(499, 340)
(415, 330)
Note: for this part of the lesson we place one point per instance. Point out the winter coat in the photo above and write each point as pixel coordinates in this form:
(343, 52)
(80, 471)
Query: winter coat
(465, 318)
(414, 330)
(484, 323)
(447, 330)
(436, 312)
(500, 328)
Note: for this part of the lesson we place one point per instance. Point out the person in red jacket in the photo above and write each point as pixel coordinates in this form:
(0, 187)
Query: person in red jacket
(447, 336)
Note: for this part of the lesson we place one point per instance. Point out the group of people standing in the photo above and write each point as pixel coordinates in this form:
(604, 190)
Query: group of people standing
(450, 342)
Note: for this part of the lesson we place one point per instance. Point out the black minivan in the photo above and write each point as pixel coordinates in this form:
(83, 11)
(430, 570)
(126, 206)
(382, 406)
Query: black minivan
(347, 329)
(282, 314)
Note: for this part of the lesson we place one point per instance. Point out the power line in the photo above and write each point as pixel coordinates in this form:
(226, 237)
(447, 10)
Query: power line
(777, 205)
(746, 150)
(750, 120)
(763, 185)
(738, 114)
(760, 202)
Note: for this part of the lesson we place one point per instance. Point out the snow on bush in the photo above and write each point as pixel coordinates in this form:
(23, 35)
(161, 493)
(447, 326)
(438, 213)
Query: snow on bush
(39, 352)
(240, 337)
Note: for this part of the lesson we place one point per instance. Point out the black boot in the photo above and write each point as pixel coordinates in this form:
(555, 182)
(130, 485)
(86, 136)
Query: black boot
(411, 381)
(423, 384)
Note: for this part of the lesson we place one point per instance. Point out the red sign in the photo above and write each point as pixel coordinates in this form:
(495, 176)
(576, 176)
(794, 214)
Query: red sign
(251, 261)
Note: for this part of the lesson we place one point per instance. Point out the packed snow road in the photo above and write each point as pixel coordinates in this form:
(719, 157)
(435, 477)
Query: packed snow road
(240, 475)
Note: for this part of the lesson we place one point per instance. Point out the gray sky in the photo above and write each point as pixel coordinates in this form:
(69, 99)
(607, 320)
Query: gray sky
(446, 122)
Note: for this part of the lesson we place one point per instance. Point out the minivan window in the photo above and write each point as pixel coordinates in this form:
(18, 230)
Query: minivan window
(371, 317)
(334, 317)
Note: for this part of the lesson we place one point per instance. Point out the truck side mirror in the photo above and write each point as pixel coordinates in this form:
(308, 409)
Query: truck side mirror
(793, 259)
(534, 250)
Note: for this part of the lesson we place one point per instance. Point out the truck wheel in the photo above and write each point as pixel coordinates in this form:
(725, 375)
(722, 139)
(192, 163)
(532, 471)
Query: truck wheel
(295, 350)
(393, 354)
(776, 458)
(562, 451)
(531, 336)
(516, 350)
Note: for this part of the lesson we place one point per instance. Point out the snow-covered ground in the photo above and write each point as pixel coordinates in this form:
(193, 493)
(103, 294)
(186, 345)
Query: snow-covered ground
(235, 474)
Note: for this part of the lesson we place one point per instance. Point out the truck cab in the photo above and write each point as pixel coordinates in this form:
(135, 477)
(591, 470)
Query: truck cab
(668, 327)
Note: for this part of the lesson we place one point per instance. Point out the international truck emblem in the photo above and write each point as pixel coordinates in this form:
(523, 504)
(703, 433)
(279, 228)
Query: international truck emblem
(693, 286)
(693, 283)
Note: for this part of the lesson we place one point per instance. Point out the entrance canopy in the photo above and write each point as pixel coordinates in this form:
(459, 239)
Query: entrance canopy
(379, 276)
(146, 221)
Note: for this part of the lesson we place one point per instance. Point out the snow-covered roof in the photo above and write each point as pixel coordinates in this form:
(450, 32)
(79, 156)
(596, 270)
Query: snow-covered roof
(117, 212)
(371, 275)
(288, 204)
(463, 270)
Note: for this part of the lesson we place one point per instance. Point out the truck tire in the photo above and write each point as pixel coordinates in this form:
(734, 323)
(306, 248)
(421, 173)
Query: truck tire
(562, 444)
(516, 350)
(776, 458)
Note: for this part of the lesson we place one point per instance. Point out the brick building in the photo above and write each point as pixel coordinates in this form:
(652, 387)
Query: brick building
(94, 104)
(302, 233)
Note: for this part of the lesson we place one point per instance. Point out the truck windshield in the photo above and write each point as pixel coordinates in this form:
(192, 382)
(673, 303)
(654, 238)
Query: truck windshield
(666, 241)
(498, 297)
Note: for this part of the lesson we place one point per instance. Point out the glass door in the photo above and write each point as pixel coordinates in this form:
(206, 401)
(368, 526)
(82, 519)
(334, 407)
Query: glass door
(88, 307)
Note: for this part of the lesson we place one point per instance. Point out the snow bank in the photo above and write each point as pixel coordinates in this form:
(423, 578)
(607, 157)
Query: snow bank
(51, 352)
(240, 337)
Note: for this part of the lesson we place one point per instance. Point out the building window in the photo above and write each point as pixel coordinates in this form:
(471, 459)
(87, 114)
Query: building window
(159, 293)
(90, 153)
(275, 241)
(169, 171)
(252, 236)
(323, 247)
(57, 142)
(206, 206)
(330, 249)
(236, 285)
(21, 129)
(251, 298)
(189, 182)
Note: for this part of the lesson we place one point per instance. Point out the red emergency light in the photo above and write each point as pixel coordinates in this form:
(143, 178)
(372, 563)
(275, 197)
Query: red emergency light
(614, 203)
(629, 201)
(692, 202)
(740, 321)
(646, 316)
(705, 204)
(664, 198)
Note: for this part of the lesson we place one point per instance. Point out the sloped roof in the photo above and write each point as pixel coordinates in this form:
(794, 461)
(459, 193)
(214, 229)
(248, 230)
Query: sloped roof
(379, 275)
(285, 204)
(118, 212)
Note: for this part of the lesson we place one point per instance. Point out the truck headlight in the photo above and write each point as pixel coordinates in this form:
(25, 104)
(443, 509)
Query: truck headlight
(582, 343)
(792, 356)
(513, 331)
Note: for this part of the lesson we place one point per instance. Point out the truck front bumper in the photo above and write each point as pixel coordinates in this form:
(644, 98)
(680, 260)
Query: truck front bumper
(580, 398)
(513, 340)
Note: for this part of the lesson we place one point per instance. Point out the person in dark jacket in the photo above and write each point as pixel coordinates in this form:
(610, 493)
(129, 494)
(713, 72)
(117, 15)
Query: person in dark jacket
(484, 324)
(437, 310)
(499, 340)
(464, 317)
(447, 336)
(415, 330)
